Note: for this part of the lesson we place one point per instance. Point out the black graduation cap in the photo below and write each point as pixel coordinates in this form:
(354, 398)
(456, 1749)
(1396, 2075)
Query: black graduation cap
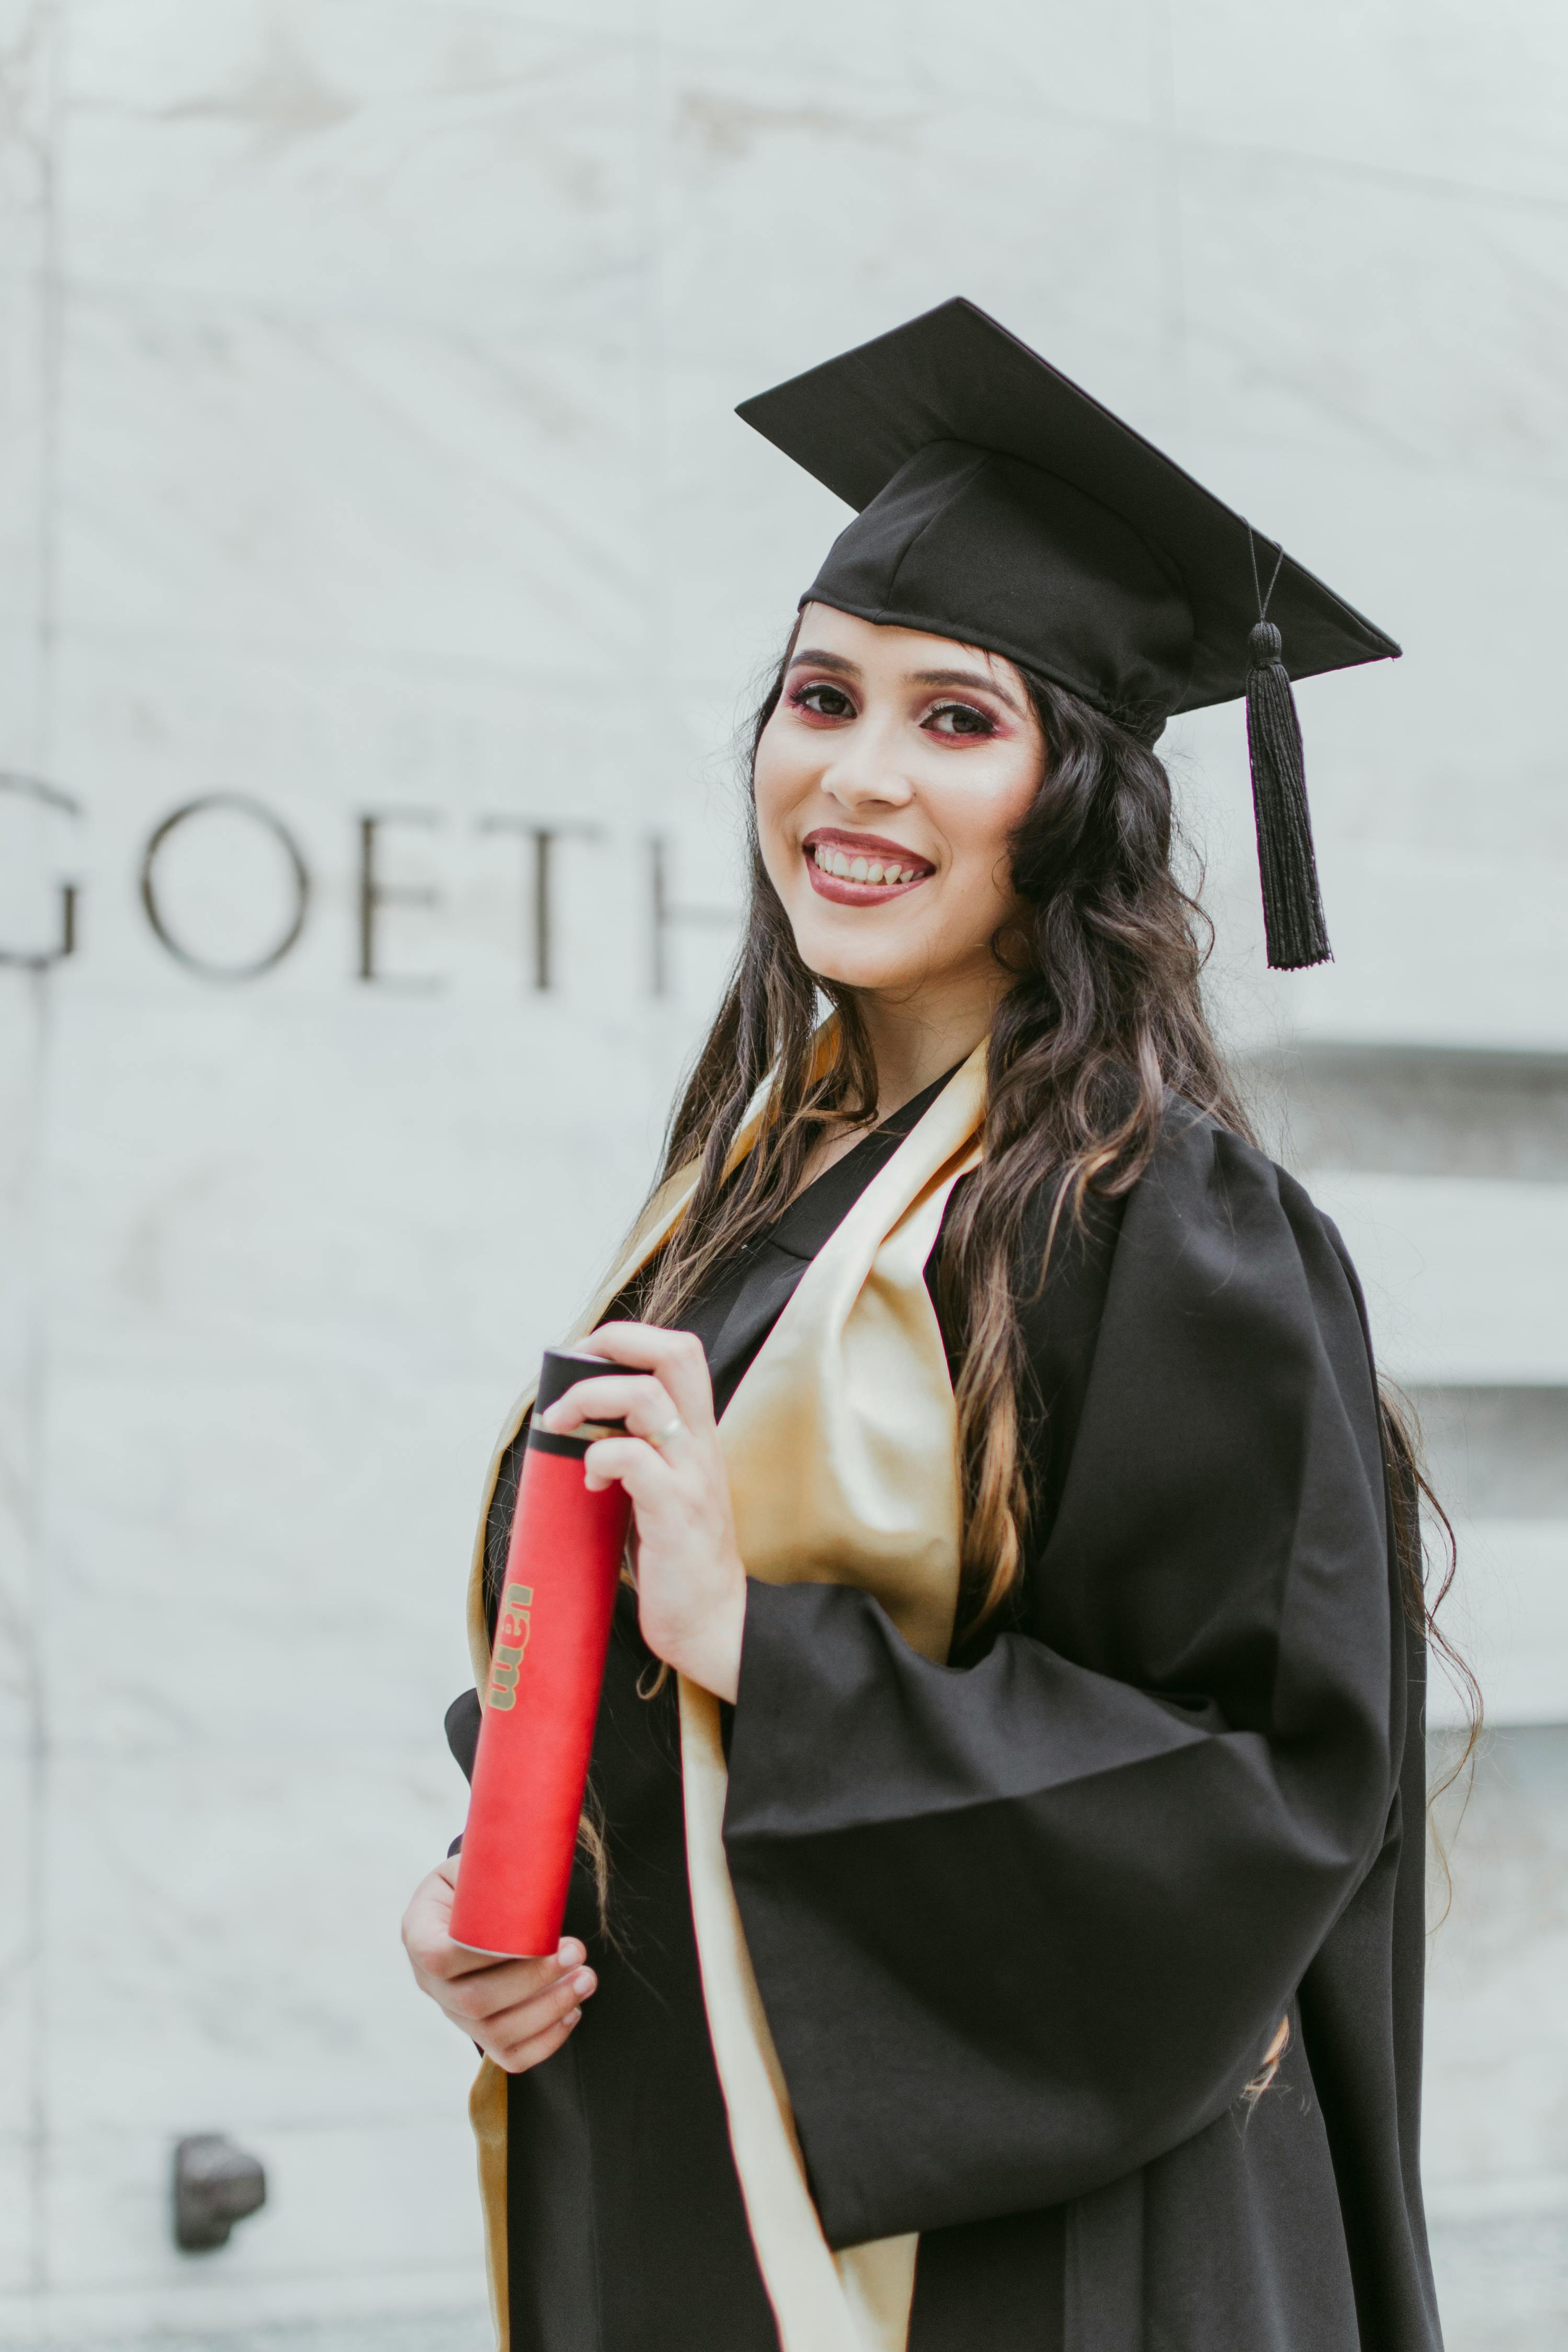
(1000, 505)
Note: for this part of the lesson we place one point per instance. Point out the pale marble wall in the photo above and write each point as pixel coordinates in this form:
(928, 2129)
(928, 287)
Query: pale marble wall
(366, 446)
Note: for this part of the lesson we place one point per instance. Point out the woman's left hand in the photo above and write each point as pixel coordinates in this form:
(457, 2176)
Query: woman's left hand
(691, 1586)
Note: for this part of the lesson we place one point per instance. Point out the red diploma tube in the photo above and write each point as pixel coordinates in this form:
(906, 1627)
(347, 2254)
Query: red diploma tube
(541, 1698)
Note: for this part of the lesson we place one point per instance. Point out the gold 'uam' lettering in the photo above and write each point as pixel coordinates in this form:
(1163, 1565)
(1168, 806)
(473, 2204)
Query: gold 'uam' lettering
(512, 1625)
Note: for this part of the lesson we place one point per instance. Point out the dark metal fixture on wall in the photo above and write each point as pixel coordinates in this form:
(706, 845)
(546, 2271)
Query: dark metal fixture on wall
(216, 2184)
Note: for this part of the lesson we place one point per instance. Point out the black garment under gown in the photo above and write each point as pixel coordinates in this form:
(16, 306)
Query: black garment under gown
(1024, 1925)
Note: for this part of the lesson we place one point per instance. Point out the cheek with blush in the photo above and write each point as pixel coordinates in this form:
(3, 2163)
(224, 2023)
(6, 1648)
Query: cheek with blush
(780, 786)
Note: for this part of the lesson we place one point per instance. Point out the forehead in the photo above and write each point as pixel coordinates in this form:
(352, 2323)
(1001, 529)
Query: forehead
(882, 650)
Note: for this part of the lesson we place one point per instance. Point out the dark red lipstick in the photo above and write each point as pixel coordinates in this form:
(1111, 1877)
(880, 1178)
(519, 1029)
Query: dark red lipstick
(887, 868)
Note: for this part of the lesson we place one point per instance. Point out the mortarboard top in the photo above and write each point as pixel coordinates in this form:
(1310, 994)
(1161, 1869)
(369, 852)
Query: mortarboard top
(1001, 506)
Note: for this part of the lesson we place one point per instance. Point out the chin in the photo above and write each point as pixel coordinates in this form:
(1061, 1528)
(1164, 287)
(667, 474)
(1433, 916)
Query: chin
(851, 962)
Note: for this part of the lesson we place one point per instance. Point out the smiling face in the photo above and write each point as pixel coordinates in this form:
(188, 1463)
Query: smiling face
(889, 780)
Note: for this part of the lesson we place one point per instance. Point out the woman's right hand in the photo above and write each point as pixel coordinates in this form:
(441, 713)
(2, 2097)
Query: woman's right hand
(519, 2011)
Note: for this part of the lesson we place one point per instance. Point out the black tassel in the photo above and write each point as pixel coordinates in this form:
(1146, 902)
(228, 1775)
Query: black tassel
(1292, 905)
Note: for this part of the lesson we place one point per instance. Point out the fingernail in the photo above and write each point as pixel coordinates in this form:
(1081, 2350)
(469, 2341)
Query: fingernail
(572, 2015)
(583, 1981)
(570, 1951)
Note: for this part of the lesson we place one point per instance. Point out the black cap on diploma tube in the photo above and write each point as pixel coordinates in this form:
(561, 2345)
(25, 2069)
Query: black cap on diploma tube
(1000, 506)
(560, 1369)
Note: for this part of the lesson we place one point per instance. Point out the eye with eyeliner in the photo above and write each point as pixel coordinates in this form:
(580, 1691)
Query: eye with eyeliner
(801, 698)
(965, 711)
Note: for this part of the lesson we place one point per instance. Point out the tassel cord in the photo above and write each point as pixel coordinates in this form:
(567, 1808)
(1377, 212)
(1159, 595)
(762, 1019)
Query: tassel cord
(1293, 917)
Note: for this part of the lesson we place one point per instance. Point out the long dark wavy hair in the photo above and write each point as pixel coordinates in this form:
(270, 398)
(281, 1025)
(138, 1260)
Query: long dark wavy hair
(1104, 1022)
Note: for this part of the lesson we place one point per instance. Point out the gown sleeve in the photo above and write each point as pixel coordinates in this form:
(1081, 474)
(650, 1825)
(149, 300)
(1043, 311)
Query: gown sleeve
(1023, 1924)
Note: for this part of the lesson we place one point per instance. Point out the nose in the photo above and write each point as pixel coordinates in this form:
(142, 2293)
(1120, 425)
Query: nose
(864, 774)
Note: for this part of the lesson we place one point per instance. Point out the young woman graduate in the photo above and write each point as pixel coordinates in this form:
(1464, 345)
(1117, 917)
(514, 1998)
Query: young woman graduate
(999, 1922)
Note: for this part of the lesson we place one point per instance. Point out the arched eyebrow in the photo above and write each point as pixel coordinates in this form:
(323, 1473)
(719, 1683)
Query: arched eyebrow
(972, 678)
(811, 657)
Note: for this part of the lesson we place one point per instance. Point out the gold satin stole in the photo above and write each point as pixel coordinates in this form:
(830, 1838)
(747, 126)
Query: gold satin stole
(841, 1448)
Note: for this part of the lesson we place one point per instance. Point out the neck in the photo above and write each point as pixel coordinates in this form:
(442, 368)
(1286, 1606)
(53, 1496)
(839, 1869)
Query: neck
(915, 1038)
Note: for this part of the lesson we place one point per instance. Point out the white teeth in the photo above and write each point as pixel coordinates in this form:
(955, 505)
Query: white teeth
(860, 869)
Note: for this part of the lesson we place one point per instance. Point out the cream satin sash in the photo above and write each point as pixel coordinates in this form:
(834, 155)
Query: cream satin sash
(840, 1443)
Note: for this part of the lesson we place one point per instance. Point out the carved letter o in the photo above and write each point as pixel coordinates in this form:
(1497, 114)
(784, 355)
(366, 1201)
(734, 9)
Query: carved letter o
(292, 850)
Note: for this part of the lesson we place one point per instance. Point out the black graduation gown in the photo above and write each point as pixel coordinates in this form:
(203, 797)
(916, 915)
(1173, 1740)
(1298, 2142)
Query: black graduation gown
(1024, 1925)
